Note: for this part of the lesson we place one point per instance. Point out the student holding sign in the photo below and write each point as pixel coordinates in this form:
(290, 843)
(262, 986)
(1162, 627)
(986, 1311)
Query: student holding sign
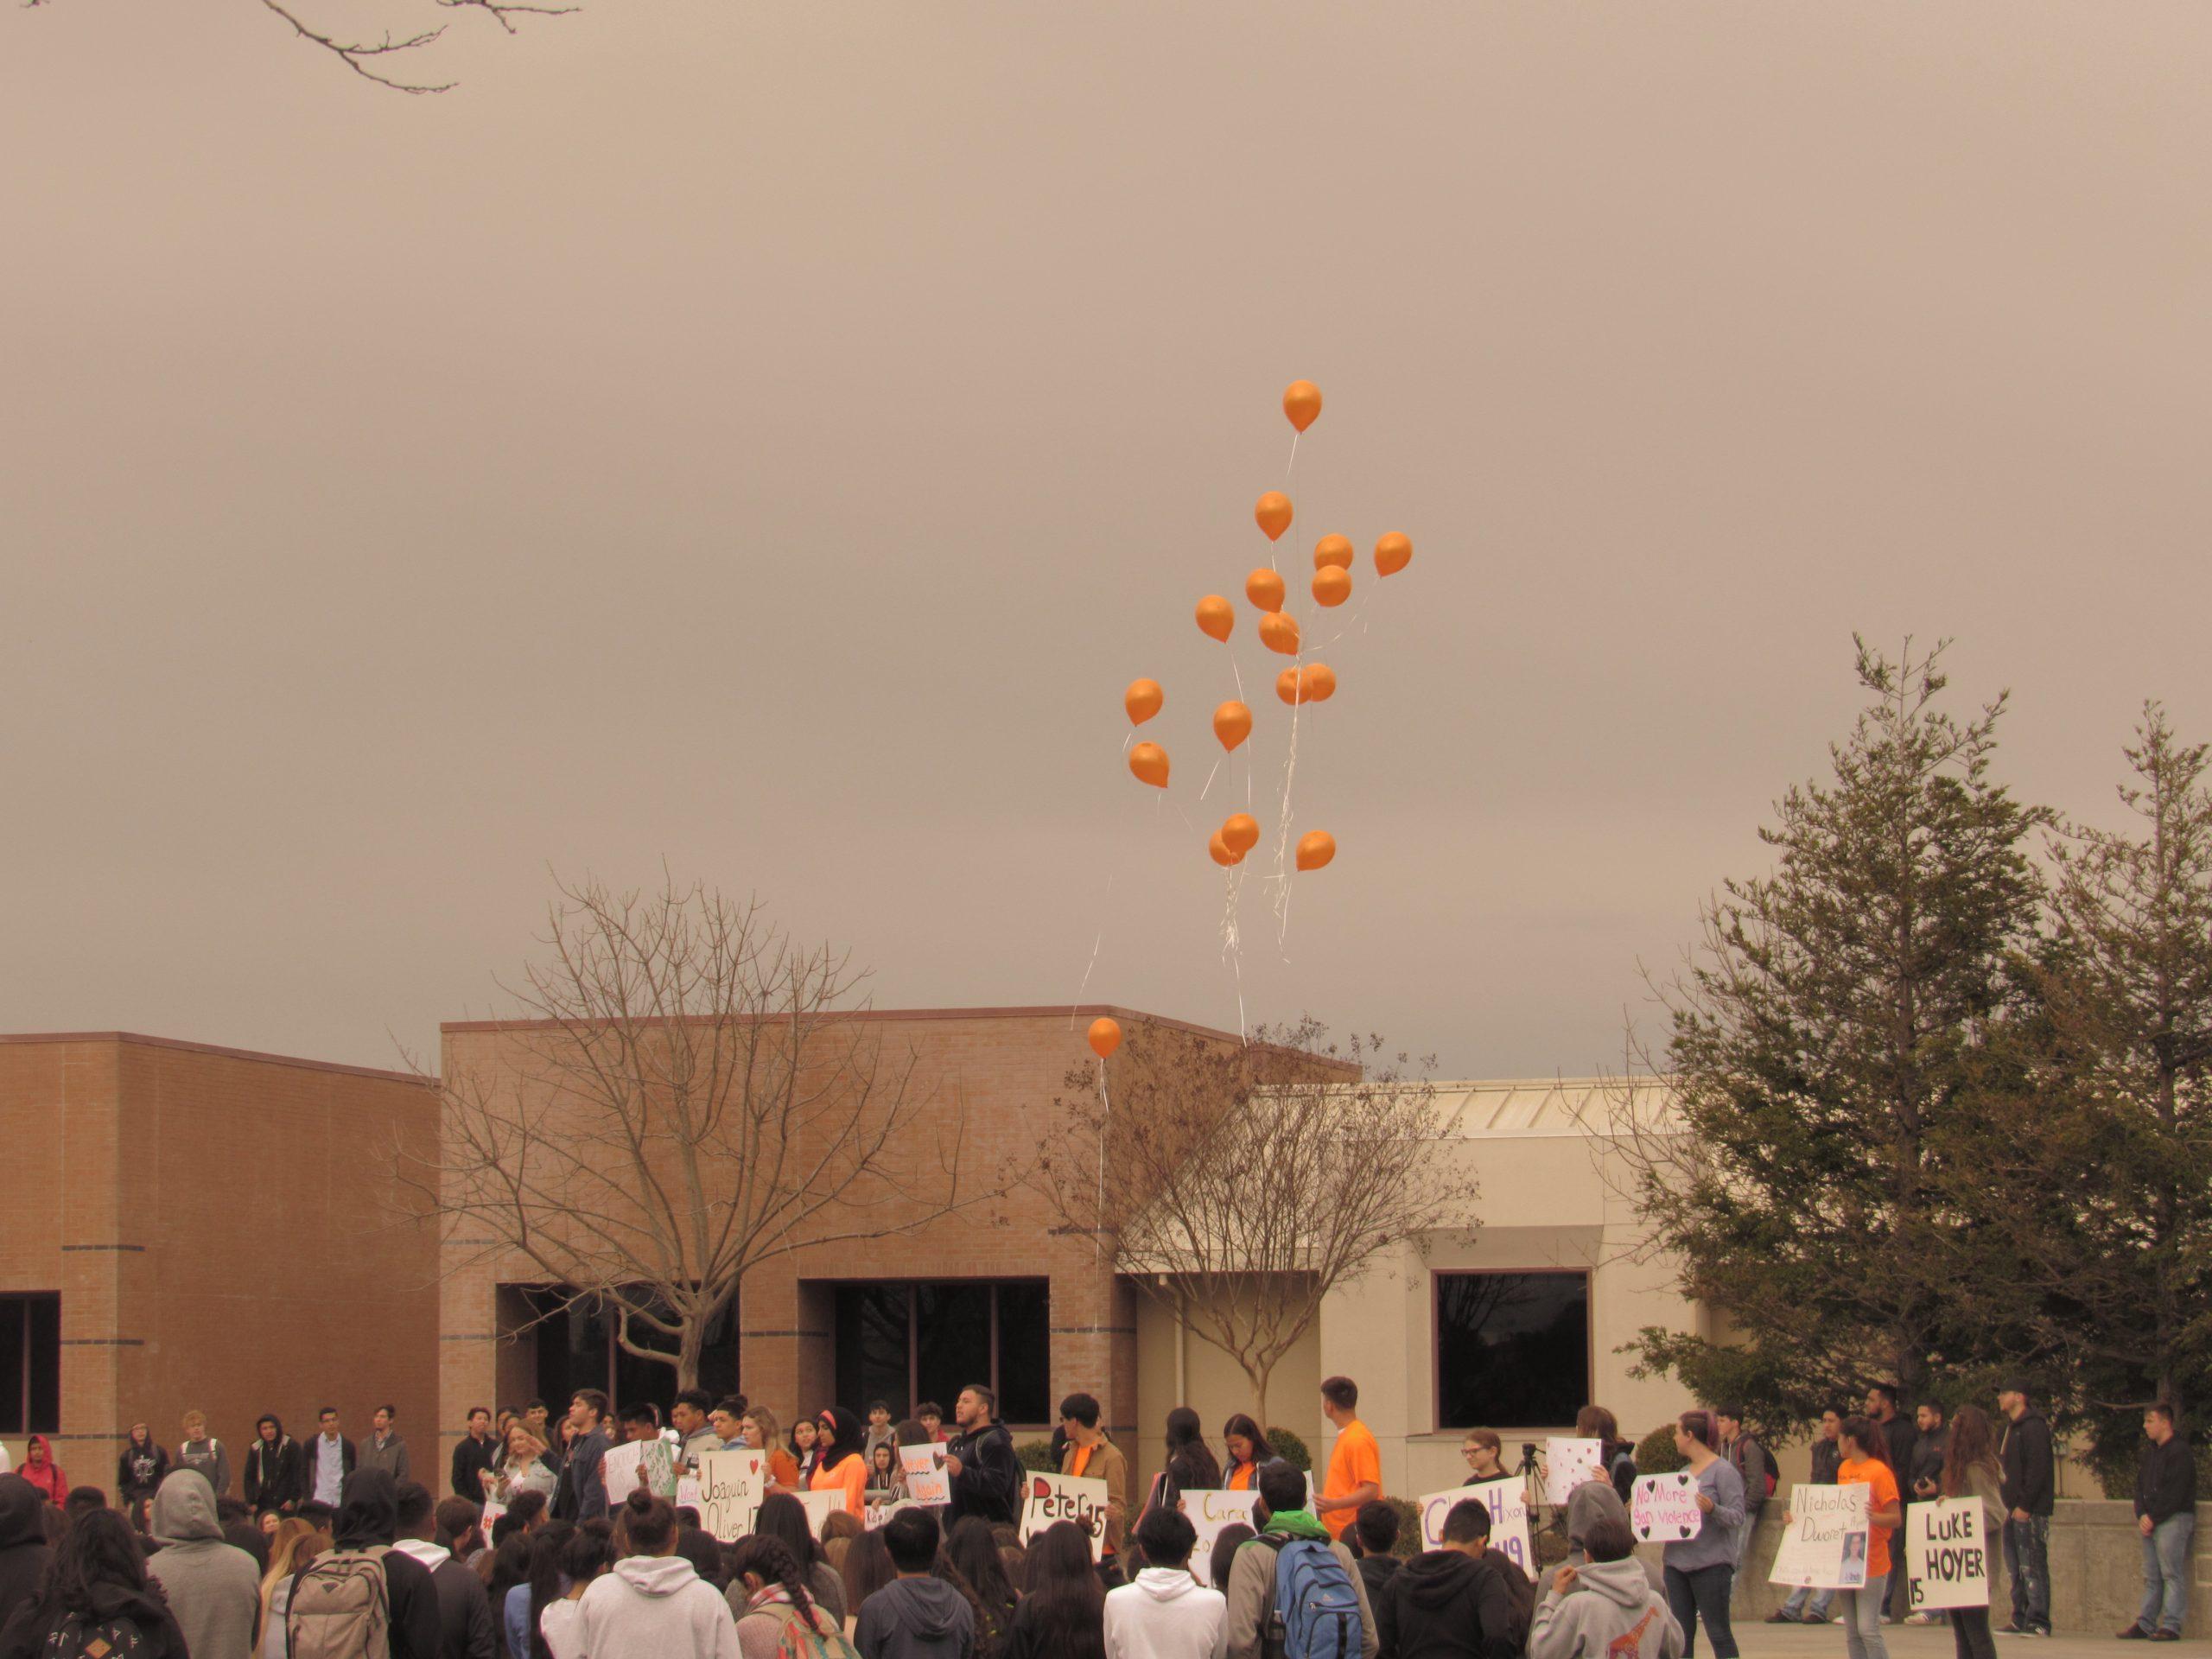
(1091, 1455)
(1867, 1463)
(1702, 1570)
(1971, 1470)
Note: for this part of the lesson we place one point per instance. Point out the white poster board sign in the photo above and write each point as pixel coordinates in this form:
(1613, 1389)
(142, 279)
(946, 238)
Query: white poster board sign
(640, 1463)
(1209, 1511)
(926, 1481)
(1064, 1497)
(1507, 1500)
(687, 1491)
(493, 1511)
(820, 1506)
(877, 1515)
(1824, 1547)
(1946, 1553)
(1567, 1464)
(731, 1486)
(1663, 1509)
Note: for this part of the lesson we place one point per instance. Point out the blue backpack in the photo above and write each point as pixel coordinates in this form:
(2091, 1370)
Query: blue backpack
(1316, 1613)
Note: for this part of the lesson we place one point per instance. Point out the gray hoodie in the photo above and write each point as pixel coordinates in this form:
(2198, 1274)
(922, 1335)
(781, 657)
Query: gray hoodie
(213, 1588)
(916, 1618)
(1613, 1613)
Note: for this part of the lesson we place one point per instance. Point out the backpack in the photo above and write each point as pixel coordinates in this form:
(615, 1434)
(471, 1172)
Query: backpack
(1773, 1470)
(111, 1638)
(340, 1607)
(803, 1640)
(1316, 1612)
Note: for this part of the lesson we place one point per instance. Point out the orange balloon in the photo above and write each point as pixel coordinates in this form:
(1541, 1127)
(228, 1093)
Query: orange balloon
(1216, 617)
(1301, 401)
(1279, 632)
(1331, 586)
(1144, 699)
(1315, 848)
(1240, 833)
(1332, 549)
(1264, 588)
(1149, 761)
(1393, 553)
(1287, 686)
(1218, 851)
(1232, 724)
(1317, 681)
(1273, 513)
(1105, 1037)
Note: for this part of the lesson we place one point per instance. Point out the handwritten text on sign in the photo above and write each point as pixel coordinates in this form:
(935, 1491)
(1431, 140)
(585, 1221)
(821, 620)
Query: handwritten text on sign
(1507, 1503)
(1818, 1549)
(926, 1481)
(1663, 1509)
(731, 1485)
(1210, 1509)
(1066, 1497)
(1946, 1553)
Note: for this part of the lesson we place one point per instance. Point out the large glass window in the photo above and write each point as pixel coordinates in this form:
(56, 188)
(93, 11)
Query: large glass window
(577, 1349)
(30, 1363)
(903, 1343)
(1512, 1348)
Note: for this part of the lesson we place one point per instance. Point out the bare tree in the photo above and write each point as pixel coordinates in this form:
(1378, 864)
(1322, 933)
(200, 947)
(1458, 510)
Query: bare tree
(685, 1094)
(1241, 1185)
(368, 58)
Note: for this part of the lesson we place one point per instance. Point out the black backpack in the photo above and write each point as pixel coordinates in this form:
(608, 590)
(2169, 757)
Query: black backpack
(76, 1637)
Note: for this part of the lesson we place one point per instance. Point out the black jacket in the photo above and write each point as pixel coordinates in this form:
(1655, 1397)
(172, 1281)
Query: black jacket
(311, 1453)
(1828, 1458)
(464, 1613)
(1376, 1572)
(989, 1482)
(273, 1478)
(370, 1516)
(1899, 1432)
(1927, 1462)
(2165, 1481)
(138, 1472)
(1445, 1604)
(2029, 1480)
(471, 1458)
(23, 1553)
(26, 1633)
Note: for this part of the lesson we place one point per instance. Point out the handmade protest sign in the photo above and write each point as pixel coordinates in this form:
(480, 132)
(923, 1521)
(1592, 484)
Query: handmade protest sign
(1946, 1553)
(926, 1481)
(1507, 1501)
(1824, 1547)
(493, 1511)
(687, 1491)
(648, 1464)
(1567, 1464)
(1209, 1509)
(1066, 1497)
(1663, 1509)
(731, 1486)
(820, 1506)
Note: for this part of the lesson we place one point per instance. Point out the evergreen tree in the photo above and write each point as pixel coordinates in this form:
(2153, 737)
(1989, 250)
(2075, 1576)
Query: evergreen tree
(1830, 1043)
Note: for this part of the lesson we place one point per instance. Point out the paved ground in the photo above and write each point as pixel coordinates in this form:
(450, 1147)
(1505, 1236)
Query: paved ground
(1793, 1640)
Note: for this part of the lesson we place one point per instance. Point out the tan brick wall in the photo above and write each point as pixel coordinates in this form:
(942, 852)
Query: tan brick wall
(222, 1230)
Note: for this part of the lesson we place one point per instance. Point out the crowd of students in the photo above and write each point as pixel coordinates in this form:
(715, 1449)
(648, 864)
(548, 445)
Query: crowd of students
(335, 1552)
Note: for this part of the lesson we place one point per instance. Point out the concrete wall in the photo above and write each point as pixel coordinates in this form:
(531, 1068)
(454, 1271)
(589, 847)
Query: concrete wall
(223, 1230)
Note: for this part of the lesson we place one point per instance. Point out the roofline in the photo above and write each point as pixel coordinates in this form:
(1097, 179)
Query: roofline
(217, 1050)
(1071, 1012)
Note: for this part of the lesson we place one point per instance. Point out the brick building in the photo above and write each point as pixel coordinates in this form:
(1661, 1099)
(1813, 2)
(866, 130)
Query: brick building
(198, 1226)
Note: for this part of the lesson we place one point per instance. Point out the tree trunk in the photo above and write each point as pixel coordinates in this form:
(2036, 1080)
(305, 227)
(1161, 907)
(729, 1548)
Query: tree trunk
(1257, 1372)
(688, 1349)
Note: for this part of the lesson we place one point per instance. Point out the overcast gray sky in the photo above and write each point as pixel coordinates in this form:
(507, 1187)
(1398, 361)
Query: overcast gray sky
(768, 438)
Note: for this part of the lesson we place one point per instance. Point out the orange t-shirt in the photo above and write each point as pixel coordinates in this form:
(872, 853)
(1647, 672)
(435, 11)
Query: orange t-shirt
(1240, 1478)
(1079, 1460)
(1356, 1461)
(1875, 1474)
(783, 1468)
(849, 1476)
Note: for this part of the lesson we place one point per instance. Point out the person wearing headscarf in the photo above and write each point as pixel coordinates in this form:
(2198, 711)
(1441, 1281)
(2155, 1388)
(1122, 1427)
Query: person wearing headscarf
(841, 1465)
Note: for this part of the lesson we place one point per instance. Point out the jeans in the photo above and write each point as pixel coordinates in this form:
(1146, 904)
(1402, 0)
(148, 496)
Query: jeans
(2165, 1572)
(1862, 1618)
(2027, 1558)
(1703, 1593)
(1970, 1637)
(1743, 1536)
(1821, 1600)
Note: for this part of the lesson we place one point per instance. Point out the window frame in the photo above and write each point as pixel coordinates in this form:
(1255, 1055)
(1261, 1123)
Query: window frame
(21, 1304)
(913, 1288)
(1436, 1278)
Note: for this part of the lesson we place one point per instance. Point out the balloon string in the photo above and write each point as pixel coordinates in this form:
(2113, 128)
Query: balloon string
(1282, 875)
(1232, 942)
(1090, 967)
(1217, 767)
(1105, 1120)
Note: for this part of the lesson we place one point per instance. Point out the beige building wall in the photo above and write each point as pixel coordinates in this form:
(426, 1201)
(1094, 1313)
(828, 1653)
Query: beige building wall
(1182, 1368)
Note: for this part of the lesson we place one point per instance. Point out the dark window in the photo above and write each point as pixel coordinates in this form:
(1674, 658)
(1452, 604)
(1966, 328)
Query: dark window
(577, 1349)
(30, 1363)
(1512, 1348)
(905, 1342)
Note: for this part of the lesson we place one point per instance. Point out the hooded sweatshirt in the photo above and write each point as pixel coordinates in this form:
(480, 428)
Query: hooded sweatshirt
(44, 1472)
(138, 1472)
(367, 1521)
(1165, 1615)
(917, 1619)
(988, 1484)
(1446, 1603)
(464, 1611)
(212, 1588)
(25, 1636)
(272, 1469)
(23, 1553)
(209, 1458)
(1613, 1613)
(651, 1607)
